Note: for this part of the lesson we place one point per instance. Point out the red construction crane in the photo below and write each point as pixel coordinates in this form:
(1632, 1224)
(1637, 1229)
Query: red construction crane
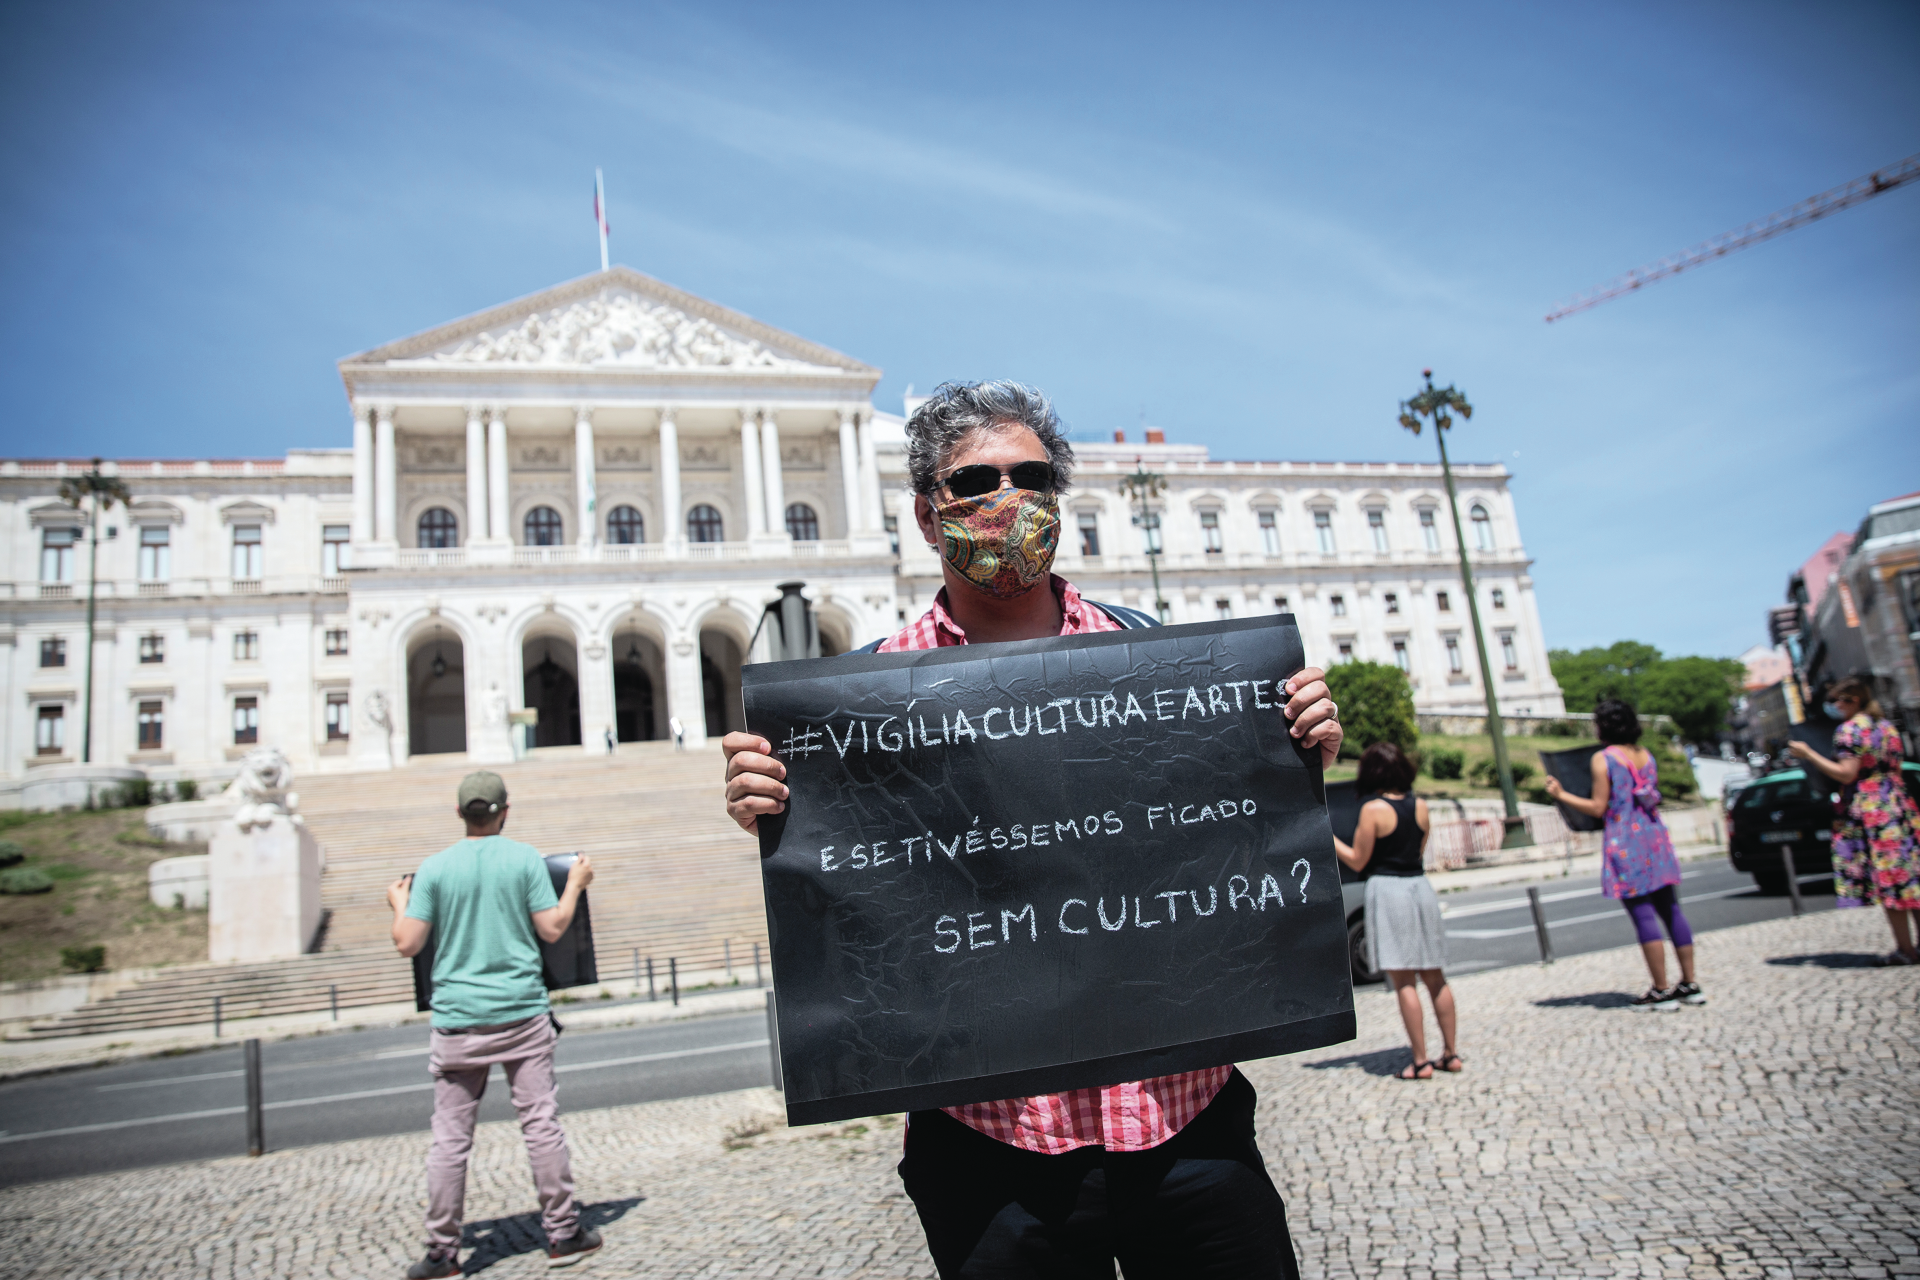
(1809, 210)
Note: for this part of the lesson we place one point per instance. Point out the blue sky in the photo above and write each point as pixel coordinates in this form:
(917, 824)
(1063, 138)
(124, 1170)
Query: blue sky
(1252, 224)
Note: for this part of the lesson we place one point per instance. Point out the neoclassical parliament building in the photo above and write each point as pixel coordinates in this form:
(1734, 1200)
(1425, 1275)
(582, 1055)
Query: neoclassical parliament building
(579, 503)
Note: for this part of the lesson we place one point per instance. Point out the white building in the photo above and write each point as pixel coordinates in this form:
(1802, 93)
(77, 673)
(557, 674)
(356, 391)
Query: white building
(580, 502)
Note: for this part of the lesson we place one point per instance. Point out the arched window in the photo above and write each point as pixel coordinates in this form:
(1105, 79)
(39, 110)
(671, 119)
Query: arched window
(543, 527)
(1482, 528)
(438, 528)
(704, 525)
(802, 524)
(625, 526)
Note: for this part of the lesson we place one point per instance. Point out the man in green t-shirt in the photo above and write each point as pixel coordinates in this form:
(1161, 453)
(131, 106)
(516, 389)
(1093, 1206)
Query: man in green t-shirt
(488, 903)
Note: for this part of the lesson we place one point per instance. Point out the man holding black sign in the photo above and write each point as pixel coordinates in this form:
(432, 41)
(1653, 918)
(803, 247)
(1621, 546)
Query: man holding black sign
(1162, 1175)
(488, 903)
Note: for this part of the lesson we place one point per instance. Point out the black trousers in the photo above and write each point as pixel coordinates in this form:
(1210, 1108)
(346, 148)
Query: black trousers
(1199, 1205)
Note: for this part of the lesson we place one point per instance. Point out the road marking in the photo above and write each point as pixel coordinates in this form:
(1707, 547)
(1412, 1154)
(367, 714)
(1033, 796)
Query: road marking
(1518, 904)
(1482, 934)
(148, 1084)
(358, 1094)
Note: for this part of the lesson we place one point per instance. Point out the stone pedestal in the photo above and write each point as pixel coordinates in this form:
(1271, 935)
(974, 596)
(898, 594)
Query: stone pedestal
(263, 891)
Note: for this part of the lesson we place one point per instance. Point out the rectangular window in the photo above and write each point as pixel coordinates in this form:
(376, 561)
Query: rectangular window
(246, 552)
(1499, 598)
(1339, 604)
(1393, 602)
(1150, 532)
(333, 549)
(246, 721)
(1346, 651)
(246, 646)
(1280, 604)
(893, 533)
(338, 721)
(53, 652)
(1429, 531)
(56, 554)
(1400, 658)
(50, 731)
(1089, 534)
(337, 643)
(1509, 654)
(152, 726)
(1223, 609)
(1441, 602)
(1323, 530)
(153, 648)
(1270, 532)
(1377, 526)
(156, 553)
(1210, 531)
(1455, 663)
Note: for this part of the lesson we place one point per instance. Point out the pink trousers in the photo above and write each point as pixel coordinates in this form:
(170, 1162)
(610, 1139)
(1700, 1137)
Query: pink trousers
(460, 1065)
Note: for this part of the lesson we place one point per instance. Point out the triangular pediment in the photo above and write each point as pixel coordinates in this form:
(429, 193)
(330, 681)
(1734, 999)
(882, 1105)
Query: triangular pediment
(611, 321)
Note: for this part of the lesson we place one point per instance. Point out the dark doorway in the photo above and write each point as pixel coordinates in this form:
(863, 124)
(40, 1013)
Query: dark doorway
(632, 701)
(720, 683)
(553, 690)
(437, 695)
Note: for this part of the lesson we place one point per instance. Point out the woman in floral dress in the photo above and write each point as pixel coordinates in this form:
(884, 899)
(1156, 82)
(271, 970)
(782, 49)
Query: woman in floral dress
(1876, 844)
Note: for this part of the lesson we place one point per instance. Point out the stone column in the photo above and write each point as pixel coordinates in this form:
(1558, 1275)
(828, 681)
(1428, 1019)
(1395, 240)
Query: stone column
(673, 519)
(584, 498)
(499, 522)
(476, 475)
(362, 474)
(776, 481)
(750, 475)
(872, 521)
(596, 696)
(850, 473)
(386, 501)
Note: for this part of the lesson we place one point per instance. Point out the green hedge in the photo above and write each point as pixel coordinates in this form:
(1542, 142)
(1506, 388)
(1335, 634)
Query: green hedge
(25, 880)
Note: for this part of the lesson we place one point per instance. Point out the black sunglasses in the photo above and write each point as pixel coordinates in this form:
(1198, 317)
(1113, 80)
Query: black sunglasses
(984, 477)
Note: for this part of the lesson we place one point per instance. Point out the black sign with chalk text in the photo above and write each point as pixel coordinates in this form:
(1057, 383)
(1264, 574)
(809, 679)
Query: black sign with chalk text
(1022, 868)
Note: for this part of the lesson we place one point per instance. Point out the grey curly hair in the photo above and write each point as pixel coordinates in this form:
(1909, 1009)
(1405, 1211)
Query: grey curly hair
(956, 410)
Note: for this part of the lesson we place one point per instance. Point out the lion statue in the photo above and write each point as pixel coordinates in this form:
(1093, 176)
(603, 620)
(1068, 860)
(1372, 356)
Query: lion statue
(261, 790)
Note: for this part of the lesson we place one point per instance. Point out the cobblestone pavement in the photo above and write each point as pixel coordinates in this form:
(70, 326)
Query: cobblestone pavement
(1775, 1132)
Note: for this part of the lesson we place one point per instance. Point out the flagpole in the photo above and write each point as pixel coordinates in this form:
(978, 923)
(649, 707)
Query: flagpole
(600, 214)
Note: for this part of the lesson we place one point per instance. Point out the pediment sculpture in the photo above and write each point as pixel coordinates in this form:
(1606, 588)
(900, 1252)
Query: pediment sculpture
(617, 328)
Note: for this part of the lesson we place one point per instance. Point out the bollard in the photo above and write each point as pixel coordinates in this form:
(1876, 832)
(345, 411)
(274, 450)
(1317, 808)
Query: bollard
(726, 945)
(773, 1044)
(673, 977)
(216, 1017)
(333, 1000)
(1540, 925)
(756, 966)
(256, 1135)
(636, 971)
(651, 993)
(1793, 877)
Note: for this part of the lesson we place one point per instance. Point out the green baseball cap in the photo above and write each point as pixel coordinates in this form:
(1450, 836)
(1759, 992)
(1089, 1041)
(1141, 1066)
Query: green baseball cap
(482, 792)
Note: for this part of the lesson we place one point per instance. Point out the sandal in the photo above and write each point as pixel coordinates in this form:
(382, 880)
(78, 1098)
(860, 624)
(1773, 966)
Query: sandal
(1417, 1070)
(1450, 1062)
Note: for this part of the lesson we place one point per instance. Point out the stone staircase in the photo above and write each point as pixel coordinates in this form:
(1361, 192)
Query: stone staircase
(674, 878)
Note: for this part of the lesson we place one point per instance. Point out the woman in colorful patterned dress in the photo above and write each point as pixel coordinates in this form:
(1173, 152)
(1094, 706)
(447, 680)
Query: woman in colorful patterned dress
(1637, 865)
(1876, 844)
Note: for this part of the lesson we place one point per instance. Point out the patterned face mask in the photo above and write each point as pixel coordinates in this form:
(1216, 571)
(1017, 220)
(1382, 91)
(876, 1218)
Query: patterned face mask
(1002, 542)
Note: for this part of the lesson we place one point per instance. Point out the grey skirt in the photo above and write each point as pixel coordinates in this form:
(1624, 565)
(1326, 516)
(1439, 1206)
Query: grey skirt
(1404, 930)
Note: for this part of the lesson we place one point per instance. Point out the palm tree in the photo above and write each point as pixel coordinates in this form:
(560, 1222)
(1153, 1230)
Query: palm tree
(97, 492)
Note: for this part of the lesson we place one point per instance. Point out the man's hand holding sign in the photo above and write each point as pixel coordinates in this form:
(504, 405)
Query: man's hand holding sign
(1054, 885)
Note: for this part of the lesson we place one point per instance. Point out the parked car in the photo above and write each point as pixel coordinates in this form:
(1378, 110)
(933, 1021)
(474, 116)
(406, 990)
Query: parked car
(1792, 809)
(1343, 811)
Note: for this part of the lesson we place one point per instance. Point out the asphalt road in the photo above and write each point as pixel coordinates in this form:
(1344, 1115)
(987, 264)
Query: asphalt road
(367, 1083)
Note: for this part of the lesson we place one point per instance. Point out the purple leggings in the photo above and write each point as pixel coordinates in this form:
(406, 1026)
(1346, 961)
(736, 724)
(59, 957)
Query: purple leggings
(1663, 904)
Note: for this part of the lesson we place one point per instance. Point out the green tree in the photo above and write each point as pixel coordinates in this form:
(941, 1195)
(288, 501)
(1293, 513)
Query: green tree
(1376, 705)
(1694, 692)
(1613, 672)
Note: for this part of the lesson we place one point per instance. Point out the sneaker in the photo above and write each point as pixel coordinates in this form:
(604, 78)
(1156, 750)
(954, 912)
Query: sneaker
(1661, 1001)
(435, 1266)
(1690, 993)
(564, 1253)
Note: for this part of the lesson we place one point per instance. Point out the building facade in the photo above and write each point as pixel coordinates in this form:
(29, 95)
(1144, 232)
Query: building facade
(578, 504)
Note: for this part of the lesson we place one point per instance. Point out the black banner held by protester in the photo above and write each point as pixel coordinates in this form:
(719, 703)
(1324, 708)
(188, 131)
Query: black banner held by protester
(1044, 865)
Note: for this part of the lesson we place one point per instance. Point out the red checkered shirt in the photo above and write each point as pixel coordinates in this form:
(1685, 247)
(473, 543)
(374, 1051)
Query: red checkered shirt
(1120, 1117)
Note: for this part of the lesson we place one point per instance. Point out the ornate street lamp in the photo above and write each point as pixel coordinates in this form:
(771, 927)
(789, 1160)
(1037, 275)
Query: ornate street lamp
(98, 492)
(1142, 487)
(1439, 404)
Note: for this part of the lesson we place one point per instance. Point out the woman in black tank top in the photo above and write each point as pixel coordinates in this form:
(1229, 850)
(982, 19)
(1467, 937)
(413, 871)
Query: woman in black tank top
(1404, 933)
